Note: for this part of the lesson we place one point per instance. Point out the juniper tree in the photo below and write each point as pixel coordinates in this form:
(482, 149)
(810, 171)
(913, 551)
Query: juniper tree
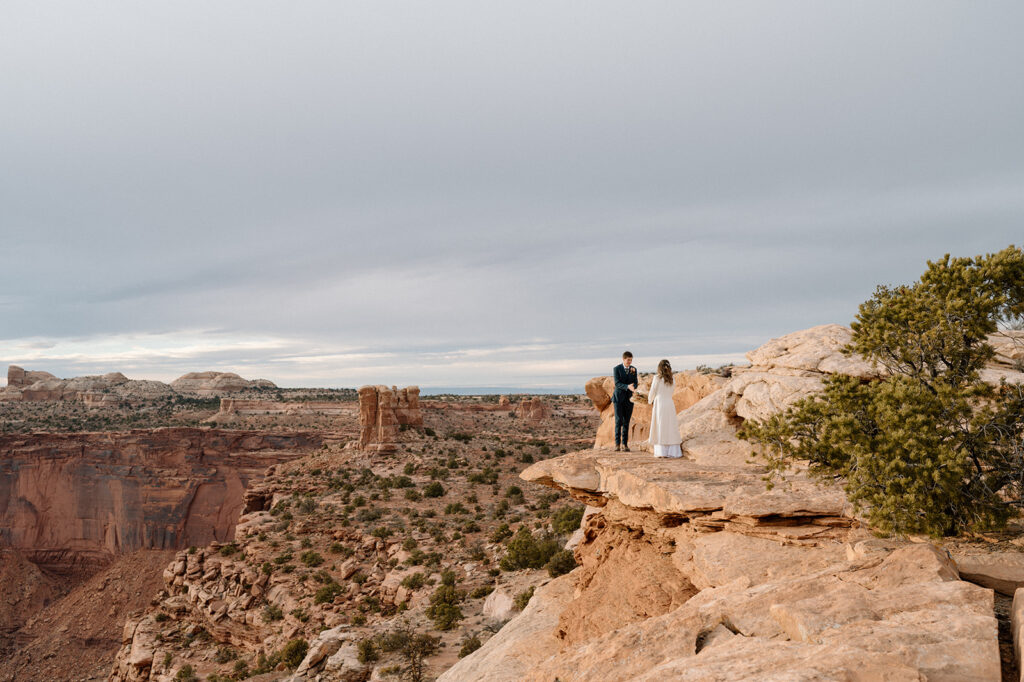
(929, 447)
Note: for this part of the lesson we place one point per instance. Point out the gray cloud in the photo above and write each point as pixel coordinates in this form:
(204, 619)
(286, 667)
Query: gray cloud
(422, 180)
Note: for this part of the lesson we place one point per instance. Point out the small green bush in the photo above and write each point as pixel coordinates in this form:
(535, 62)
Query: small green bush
(526, 551)
(560, 563)
(311, 558)
(433, 489)
(469, 645)
(523, 598)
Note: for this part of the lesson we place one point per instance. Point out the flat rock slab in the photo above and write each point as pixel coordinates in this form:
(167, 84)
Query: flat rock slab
(688, 488)
(999, 571)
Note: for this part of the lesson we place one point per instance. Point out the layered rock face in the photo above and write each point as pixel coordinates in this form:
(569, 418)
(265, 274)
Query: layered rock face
(692, 570)
(688, 388)
(210, 384)
(71, 499)
(382, 411)
(230, 408)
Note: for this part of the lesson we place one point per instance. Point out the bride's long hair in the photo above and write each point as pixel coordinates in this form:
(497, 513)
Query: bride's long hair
(665, 371)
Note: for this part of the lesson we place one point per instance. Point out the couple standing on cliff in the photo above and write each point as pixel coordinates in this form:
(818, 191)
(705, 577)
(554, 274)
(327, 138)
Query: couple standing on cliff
(664, 437)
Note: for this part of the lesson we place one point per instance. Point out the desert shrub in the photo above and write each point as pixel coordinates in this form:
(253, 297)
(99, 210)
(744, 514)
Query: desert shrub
(433, 489)
(225, 654)
(272, 612)
(523, 598)
(161, 617)
(560, 563)
(367, 651)
(229, 549)
(444, 607)
(311, 558)
(929, 447)
(566, 519)
(413, 648)
(293, 652)
(327, 593)
(412, 495)
(455, 508)
(526, 551)
(186, 674)
(414, 581)
(469, 645)
(482, 591)
(501, 532)
(487, 476)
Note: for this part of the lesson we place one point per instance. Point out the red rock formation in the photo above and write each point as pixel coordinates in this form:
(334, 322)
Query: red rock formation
(382, 411)
(68, 499)
(533, 410)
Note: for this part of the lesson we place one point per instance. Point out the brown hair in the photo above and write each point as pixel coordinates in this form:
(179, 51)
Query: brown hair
(665, 371)
(627, 354)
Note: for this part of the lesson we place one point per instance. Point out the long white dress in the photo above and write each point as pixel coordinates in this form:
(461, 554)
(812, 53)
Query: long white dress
(664, 438)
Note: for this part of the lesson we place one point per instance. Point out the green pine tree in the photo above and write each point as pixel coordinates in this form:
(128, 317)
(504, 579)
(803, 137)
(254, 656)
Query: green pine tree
(929, 448)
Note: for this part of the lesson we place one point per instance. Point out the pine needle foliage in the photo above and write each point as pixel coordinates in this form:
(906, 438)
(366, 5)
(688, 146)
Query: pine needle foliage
(929, 447)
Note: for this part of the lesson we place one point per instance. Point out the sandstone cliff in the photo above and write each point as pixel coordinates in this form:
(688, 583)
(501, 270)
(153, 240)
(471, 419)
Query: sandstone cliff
(208, 384)
(68, 499)
(691, 569)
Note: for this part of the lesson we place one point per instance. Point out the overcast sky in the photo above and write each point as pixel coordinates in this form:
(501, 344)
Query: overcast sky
(484, 194)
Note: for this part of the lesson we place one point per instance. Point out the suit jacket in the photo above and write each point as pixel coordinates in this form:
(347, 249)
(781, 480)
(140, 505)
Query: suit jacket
(624, 378)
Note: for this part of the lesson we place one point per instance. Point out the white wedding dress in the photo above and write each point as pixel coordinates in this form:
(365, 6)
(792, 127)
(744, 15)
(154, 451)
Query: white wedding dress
(664, 438)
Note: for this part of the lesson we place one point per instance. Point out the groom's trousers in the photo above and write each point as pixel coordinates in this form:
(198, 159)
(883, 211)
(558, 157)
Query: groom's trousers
(623, 413)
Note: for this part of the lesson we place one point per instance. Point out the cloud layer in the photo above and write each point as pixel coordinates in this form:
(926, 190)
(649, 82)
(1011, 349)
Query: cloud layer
(459, 194)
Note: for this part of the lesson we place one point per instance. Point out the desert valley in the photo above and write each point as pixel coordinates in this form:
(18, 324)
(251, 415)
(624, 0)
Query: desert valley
(220, 529)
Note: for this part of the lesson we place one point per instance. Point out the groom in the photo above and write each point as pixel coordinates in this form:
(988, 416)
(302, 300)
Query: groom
(625, 385)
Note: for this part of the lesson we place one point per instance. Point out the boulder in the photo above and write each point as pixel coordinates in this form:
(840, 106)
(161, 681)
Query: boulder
(1000, 571)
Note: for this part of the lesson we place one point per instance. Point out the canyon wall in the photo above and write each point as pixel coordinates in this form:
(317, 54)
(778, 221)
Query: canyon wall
(73, 499)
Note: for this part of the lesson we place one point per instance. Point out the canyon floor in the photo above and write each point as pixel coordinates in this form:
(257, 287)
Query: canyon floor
(338, 518)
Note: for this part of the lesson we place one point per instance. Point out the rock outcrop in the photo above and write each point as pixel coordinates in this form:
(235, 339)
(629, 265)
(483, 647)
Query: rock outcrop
(533, 410)
(211, 384)
(70, 499)
(689, 387)
(95, 391)
(691, 569)
(383, 411)
(21, 378)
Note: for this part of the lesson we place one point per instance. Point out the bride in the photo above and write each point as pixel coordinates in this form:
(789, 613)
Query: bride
(664, 425)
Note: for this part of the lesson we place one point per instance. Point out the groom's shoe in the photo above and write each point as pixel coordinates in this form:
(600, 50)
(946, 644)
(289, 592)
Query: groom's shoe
(618, 447)
(625, 448)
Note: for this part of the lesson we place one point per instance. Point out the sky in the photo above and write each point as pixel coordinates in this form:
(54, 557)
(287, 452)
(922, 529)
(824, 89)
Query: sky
(485, 194)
